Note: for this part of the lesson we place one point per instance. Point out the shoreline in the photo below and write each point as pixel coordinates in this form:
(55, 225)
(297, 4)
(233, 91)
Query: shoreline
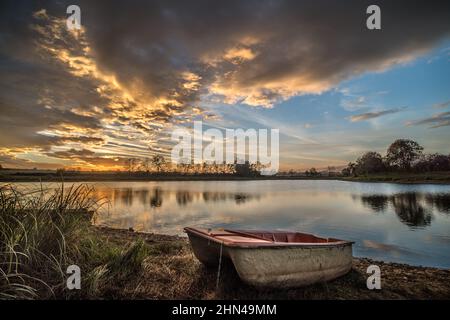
(396, 180)
(155, 237)
(174, 273)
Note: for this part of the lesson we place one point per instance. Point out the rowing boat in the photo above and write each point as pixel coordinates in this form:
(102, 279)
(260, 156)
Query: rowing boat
(273, 258)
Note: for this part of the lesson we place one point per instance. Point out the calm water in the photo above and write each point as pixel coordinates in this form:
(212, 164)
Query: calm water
(392, 222)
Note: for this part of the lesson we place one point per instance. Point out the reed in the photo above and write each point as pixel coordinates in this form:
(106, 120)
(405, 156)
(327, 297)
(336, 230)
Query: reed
(43, 231)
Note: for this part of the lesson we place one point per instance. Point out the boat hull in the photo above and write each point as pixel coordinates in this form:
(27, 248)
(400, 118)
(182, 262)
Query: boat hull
(207, 251)
(292, 266)
(281, 266)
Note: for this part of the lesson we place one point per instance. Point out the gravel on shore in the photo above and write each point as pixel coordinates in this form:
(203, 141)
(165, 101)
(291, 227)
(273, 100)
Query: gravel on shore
(172, 272)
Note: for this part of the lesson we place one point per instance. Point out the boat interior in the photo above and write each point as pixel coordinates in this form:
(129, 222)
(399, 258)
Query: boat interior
(288, 237)
(262, 237)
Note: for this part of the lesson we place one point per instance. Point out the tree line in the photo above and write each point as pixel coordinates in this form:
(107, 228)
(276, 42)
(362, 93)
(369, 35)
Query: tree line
(403, 155)
(158, 164)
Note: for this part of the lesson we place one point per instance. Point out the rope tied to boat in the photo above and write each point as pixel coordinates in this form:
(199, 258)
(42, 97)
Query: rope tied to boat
(218, 269)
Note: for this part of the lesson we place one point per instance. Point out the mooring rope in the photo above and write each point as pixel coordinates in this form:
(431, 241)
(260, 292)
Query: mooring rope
(218, 269)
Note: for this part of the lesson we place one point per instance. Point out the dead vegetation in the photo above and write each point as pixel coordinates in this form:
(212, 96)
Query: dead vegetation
(171, 271)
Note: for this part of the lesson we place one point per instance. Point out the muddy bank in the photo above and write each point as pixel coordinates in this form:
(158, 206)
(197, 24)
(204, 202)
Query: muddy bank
(172, 272)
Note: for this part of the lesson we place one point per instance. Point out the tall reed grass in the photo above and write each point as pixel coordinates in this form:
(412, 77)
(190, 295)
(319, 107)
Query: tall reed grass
(43, 231)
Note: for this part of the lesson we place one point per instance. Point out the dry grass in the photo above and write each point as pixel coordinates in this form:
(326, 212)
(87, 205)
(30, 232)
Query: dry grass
(172, 272)
(43, 231)
(37, 230)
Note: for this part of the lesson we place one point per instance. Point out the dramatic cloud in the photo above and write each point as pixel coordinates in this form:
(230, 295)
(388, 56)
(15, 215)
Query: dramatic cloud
(372, 115)
(436, 121)
(10, 161)
(72, 153)
(136, 68)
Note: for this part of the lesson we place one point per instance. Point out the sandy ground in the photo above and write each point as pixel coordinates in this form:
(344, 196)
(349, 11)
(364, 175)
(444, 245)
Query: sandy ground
(172, 272)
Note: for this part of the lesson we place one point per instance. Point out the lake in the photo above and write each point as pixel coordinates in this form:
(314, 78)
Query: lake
(391, 222)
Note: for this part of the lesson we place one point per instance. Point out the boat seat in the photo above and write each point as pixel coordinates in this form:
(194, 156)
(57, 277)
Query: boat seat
(216, 232)
(240, 239)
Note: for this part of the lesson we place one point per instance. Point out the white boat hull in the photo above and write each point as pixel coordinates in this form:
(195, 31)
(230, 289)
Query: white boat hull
(291, 267)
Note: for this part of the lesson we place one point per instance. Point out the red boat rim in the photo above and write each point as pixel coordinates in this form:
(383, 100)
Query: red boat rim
(264, 238)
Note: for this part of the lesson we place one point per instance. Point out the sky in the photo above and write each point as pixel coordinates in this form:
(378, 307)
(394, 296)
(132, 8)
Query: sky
(136, 70)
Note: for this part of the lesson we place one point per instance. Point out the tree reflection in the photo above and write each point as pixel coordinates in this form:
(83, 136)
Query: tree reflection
(125, 195)
(410, 210)
(209, 196)
(184, 197)
(241, 198)
(409, 207)
(156, 198)
(440, 201)
(156, 195)
(377, 203)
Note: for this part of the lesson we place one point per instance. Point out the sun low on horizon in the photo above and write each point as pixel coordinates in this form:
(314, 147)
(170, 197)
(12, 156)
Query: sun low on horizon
(114, 90)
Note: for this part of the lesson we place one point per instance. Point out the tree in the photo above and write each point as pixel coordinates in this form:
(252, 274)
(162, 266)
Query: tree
(439, 162)
(158, 161)
(146, 164)
(349, 170)
(432, 162)
(244, 169)
(370, 162)
(345, 172)
(311, 172)
(402, 153)
(331, 171)
(130, 164)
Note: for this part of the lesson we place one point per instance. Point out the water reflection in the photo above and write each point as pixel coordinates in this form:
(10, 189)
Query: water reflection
(412, 224)
(155, 196)
(413, 209)
(378, 203)
(410, 211)
(439, 201)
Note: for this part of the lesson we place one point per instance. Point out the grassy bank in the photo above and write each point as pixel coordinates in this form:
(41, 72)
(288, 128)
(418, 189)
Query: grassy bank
(43, 232)
(51, 176)
(30, 176)
(427, 177)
